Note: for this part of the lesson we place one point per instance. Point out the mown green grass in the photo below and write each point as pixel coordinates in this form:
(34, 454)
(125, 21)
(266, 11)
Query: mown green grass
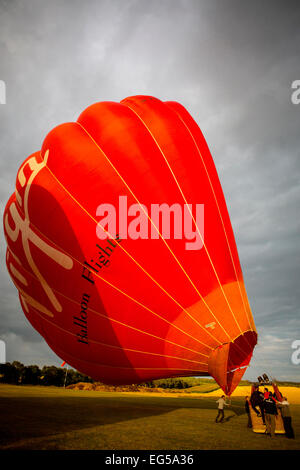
(54, 418)
(204, 388)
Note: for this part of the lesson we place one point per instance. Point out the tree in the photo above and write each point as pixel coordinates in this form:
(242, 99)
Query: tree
(9, 373)
(32, 375)
(52, 375)
(20, 371)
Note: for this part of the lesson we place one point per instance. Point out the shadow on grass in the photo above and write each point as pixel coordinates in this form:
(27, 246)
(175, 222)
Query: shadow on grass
(228, 418)
(30, 417)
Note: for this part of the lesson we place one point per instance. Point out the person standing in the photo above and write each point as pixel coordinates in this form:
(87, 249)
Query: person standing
(284, 407)
(257, 400)
(270, 410)
(221, 403)
(247, 408)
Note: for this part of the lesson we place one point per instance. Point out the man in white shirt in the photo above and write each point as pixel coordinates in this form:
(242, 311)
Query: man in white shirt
(221, 403)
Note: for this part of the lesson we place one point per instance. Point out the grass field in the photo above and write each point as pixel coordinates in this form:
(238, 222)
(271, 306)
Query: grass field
(34, 417)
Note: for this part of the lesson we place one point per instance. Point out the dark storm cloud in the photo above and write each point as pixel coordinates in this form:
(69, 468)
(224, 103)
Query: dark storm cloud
(231, 63)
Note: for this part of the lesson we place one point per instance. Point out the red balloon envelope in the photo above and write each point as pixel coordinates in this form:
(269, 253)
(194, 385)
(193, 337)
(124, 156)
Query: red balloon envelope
(140, 296)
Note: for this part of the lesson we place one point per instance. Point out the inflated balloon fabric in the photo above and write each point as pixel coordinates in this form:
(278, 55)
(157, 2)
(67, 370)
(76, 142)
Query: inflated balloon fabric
(128, 310)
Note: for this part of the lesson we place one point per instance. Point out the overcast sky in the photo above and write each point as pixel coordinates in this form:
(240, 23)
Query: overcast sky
(231, 63)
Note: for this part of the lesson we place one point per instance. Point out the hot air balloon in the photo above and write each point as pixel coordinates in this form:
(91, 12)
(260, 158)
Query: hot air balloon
(127, 309)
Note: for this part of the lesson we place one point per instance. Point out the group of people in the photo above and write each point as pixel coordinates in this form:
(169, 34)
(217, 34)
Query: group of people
(266, 406)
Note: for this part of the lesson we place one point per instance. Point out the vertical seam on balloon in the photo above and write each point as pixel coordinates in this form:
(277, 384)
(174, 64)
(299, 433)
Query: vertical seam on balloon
(105, 316)
(220, 214)
(107, 282)
(193, 318)
(194, 223)
(242, 297)
(169, 166)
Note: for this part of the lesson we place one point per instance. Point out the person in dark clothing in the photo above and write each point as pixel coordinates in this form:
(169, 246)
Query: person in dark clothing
(284, 407)
(247, 408)
(257, 400)
(270, 409)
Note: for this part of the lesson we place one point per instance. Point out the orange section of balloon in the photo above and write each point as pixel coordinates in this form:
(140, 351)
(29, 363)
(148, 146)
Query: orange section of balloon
(128, 310)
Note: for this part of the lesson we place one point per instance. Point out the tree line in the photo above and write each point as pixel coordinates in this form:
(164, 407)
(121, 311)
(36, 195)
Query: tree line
(18, 374)
(169, 383)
